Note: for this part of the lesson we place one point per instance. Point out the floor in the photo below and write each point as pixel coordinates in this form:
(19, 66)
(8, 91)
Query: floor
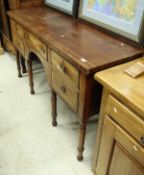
(29, 145)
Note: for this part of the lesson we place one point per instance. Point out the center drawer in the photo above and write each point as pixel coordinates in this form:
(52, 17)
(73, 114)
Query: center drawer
(36, 45)
(126, 118)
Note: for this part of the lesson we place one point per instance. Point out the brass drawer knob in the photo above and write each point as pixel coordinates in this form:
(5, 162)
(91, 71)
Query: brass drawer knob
(63, 89)
(142, 139)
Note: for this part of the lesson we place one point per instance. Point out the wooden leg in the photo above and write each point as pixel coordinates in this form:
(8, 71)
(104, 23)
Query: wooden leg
(23, 66)
(30, 72)
(82, 133)
(54, 108)
(18, 64)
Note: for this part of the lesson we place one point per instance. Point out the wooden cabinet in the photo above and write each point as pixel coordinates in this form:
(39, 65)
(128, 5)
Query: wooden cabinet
(120, 135)
(119, 152)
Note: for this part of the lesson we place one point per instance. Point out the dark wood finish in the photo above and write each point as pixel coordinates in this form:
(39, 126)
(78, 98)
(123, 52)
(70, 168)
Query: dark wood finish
(15, 4)
(54, 108)
(74, 53)
(30, 71)
(5, 30)
(119, 140)
(18, 64)
(23, 65)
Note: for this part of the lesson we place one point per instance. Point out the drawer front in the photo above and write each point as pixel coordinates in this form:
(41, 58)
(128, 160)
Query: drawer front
(17, 29)
(36, 45)
(65, 68)
(126, 118)
(18, 42)
(65, 89)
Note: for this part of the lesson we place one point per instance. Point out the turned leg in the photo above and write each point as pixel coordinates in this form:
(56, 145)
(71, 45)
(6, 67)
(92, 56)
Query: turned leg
(82, 133)
(18, 64)
(30, 72)
(23, 66)
(54, 108)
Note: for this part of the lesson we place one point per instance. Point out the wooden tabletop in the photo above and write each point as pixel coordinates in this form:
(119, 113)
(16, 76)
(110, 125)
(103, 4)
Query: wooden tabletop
(75, 40)
(129, 89)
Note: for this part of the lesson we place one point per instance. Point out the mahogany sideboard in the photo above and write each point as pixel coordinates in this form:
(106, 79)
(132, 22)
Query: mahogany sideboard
(120, 135)
(71, 52)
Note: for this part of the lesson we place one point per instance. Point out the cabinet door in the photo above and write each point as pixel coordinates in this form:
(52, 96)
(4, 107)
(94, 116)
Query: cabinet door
(119, 153)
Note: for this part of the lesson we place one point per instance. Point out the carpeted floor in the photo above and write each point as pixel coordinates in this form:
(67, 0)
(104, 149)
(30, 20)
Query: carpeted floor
(29, 145)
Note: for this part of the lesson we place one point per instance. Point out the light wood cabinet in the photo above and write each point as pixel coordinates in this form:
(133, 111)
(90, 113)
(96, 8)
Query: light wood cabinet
(120, 135)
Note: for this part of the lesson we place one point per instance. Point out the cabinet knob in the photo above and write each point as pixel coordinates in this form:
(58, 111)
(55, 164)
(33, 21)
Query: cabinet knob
(142, 139)
(135, 148)
(115, 110)
(61, 68)
(63, 89)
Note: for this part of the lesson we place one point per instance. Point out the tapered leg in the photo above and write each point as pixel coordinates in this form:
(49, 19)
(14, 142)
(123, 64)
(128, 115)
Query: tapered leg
(18, 64)
(23, 66)
(54, 108)
(30, 72)
(82, 133)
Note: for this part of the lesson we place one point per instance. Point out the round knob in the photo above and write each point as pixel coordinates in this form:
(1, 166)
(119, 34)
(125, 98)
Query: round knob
(115, 110)
(135, 148)
(63, 89)
(142, 139)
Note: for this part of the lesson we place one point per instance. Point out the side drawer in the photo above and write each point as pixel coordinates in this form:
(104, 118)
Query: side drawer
(18, 43)
(36, 45)
(68, 71)
(65, 89)
(17, 29)
(126, 118)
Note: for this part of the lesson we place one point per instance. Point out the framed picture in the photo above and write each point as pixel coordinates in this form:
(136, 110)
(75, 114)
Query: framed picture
(68, 6)
(125, 17)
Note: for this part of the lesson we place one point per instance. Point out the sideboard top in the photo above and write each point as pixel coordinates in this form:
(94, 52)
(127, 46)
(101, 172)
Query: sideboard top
(89, 49)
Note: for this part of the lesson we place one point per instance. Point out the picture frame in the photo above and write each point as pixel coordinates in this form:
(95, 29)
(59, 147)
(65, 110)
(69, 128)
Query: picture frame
(66, 6)
(125, 17)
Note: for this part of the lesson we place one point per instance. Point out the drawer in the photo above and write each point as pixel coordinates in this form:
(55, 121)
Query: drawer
(66, 69)
(36, 45)
(18, 42)
(17, 29)
(126, 118)
(65, 89)
(133, 148)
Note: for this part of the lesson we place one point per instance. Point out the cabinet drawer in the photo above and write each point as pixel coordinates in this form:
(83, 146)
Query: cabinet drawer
(126, 118)
(36, 45)
(17, 29)
(65, 89)
(65, 68)
(18, 42)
